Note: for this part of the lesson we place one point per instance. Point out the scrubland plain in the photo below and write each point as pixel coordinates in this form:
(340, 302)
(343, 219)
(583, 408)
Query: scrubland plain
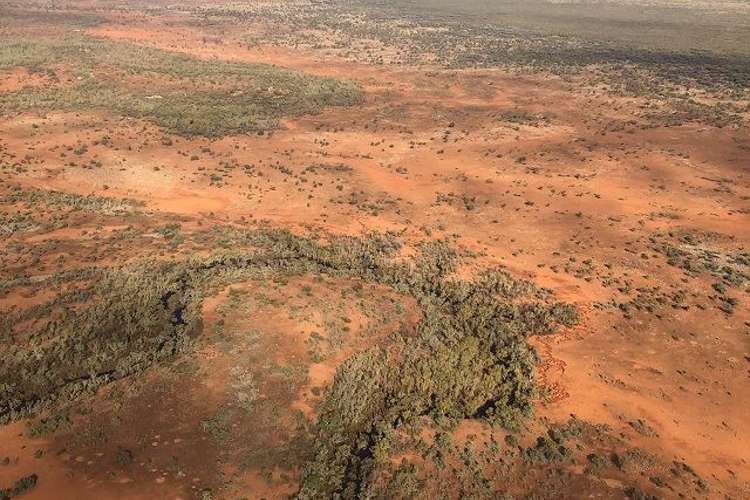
(374, 249)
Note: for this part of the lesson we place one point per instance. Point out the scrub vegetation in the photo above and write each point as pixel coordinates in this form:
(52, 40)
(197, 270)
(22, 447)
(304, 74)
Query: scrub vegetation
(469, 357)
(141, 82)
(301, 249)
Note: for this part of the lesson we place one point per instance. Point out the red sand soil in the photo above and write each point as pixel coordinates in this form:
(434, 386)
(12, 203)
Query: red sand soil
(542, 194)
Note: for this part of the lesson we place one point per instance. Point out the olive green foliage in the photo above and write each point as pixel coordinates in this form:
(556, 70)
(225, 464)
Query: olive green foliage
(16, 223)
(548, 449)
(24, 207)
(28, 16)
(49, 425)
(58, 199)
(468, 358)
(696, 256)
(126, 321)
(699, 256)
(20, 487)
(141, 82)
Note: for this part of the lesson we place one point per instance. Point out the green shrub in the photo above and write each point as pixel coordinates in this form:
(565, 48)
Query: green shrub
(224, 98)
(469, 357)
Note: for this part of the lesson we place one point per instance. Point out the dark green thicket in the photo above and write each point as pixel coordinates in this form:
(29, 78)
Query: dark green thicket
(19, 487)
(128, 320)
(468, 358)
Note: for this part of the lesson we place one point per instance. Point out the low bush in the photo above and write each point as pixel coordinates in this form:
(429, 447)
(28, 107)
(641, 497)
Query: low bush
(468, 358)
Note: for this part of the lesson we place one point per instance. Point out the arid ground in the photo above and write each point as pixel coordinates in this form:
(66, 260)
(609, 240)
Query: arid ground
(384, 249)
